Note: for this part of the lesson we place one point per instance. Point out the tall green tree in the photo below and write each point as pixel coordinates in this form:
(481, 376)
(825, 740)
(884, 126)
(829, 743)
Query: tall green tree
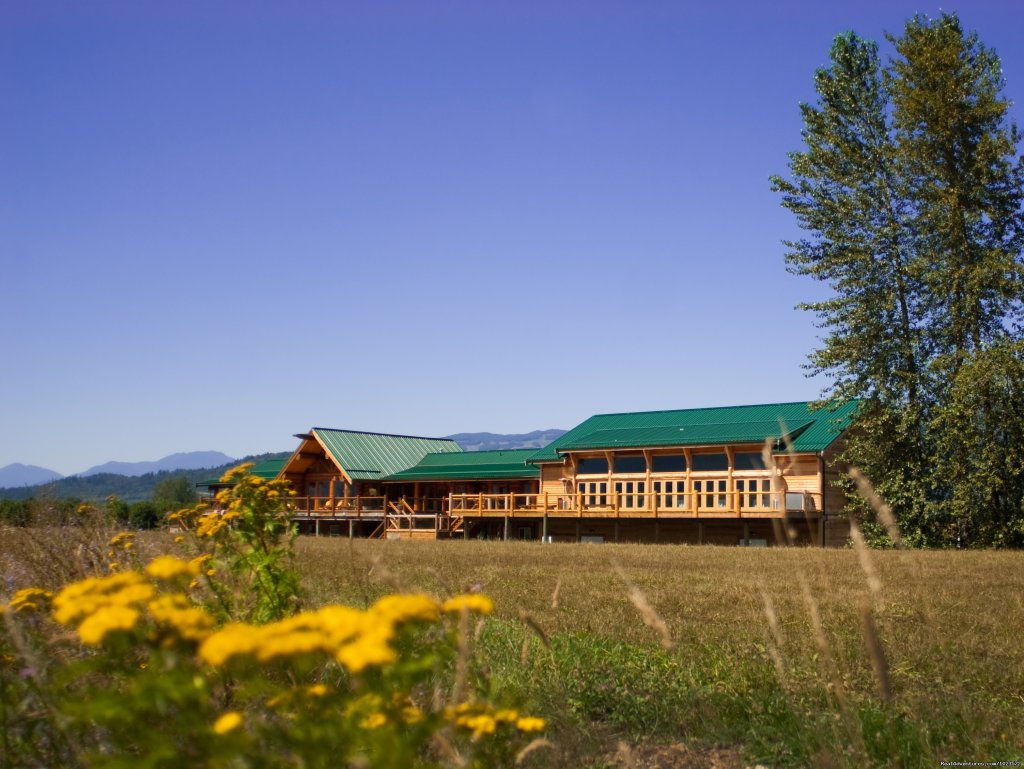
(850, 195)
(910, 192)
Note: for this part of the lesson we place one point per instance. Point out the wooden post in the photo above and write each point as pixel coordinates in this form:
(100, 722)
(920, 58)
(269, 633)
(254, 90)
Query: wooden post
(508, 526)
(316, 527)
(544, 526)
(577, 529)
(746, 534)
(350, 524)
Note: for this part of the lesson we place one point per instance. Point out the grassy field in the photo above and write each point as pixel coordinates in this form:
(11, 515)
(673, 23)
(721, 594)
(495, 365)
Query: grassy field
(699, 656)
(673, 656)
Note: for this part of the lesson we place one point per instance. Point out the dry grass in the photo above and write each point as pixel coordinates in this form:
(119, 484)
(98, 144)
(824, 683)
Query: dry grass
(930, 638)
(782, 656)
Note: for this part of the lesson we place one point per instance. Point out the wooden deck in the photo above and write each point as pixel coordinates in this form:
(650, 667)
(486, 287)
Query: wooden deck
(443, 516)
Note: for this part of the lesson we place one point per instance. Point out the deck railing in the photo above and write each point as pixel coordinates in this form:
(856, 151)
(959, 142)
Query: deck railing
(710, 498)
(705, 497)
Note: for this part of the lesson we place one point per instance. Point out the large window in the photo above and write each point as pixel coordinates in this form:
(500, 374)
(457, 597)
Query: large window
(593, 493)
(710, 463)
(630, 463)
(630, 494)
(670, 494)
(748, 460)
(755, 492)
(711, 494)
(668, 463)
(592, 466)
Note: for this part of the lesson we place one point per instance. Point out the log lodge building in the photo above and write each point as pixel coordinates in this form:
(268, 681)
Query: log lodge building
(747, 475)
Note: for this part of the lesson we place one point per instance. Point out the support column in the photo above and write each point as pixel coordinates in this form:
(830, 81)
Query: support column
(350, 525)
(316, 527)
(544, 528)
(577, 530)
(508, 526)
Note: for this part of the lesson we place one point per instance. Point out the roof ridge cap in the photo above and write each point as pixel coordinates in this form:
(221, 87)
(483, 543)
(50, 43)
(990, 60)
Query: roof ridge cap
(383, 435)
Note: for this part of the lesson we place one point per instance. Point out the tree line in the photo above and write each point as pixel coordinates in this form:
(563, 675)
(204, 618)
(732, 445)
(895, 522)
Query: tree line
(169, 495)
(909, 190)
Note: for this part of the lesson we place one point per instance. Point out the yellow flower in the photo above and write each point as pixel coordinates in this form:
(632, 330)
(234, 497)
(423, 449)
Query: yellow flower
(316, 690)
(168, 568)
(108, 619)
(230, 641)
(175, 613)
(530, 724)
(81, 599)
(227, 722)
(30, 599)
(479, 724)
(506, 716)
(373, 721)
(404, 608)
(368, 650)
(288, 644)
(470, 602)
(178, 540)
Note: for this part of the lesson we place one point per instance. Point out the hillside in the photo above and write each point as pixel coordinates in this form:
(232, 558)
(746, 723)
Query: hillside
(129, 488)
(17, 474)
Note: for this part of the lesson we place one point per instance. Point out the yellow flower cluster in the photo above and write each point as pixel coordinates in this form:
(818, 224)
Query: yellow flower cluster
(30, 599)
(167, 568)
(356, 639)
(98, 606)
(481, 719)
(469, 602)
(213, 521)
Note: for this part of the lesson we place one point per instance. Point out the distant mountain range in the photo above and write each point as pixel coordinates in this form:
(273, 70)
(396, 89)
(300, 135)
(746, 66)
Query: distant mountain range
(134, 481)
(18, 474)
(192, 460)
(498, 442)
(26, 475)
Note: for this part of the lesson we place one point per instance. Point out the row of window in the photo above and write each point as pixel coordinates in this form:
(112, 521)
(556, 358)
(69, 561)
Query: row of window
(753, 493)
(670, 463)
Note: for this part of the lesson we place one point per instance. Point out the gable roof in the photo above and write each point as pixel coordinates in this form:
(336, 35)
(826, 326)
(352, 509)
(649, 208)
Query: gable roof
(801, 425)
(372, 456)
(471, 465)
(268, 470)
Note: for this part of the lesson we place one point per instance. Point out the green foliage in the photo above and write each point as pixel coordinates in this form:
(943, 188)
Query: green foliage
(144, 515)
(152, 666)
(174, 493)
(911, 192)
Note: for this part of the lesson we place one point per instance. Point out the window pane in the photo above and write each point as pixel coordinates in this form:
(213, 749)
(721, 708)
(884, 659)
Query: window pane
(748, 460)
(710, 462)
(630, 464)
(668, 463)
(592, 465)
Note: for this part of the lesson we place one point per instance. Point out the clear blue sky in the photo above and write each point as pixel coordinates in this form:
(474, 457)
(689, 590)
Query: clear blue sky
(222, 223)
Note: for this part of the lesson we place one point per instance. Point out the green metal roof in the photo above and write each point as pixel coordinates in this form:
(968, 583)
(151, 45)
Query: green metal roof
(804, 427)
(373, 456)
(471, 465)
(268, 469)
